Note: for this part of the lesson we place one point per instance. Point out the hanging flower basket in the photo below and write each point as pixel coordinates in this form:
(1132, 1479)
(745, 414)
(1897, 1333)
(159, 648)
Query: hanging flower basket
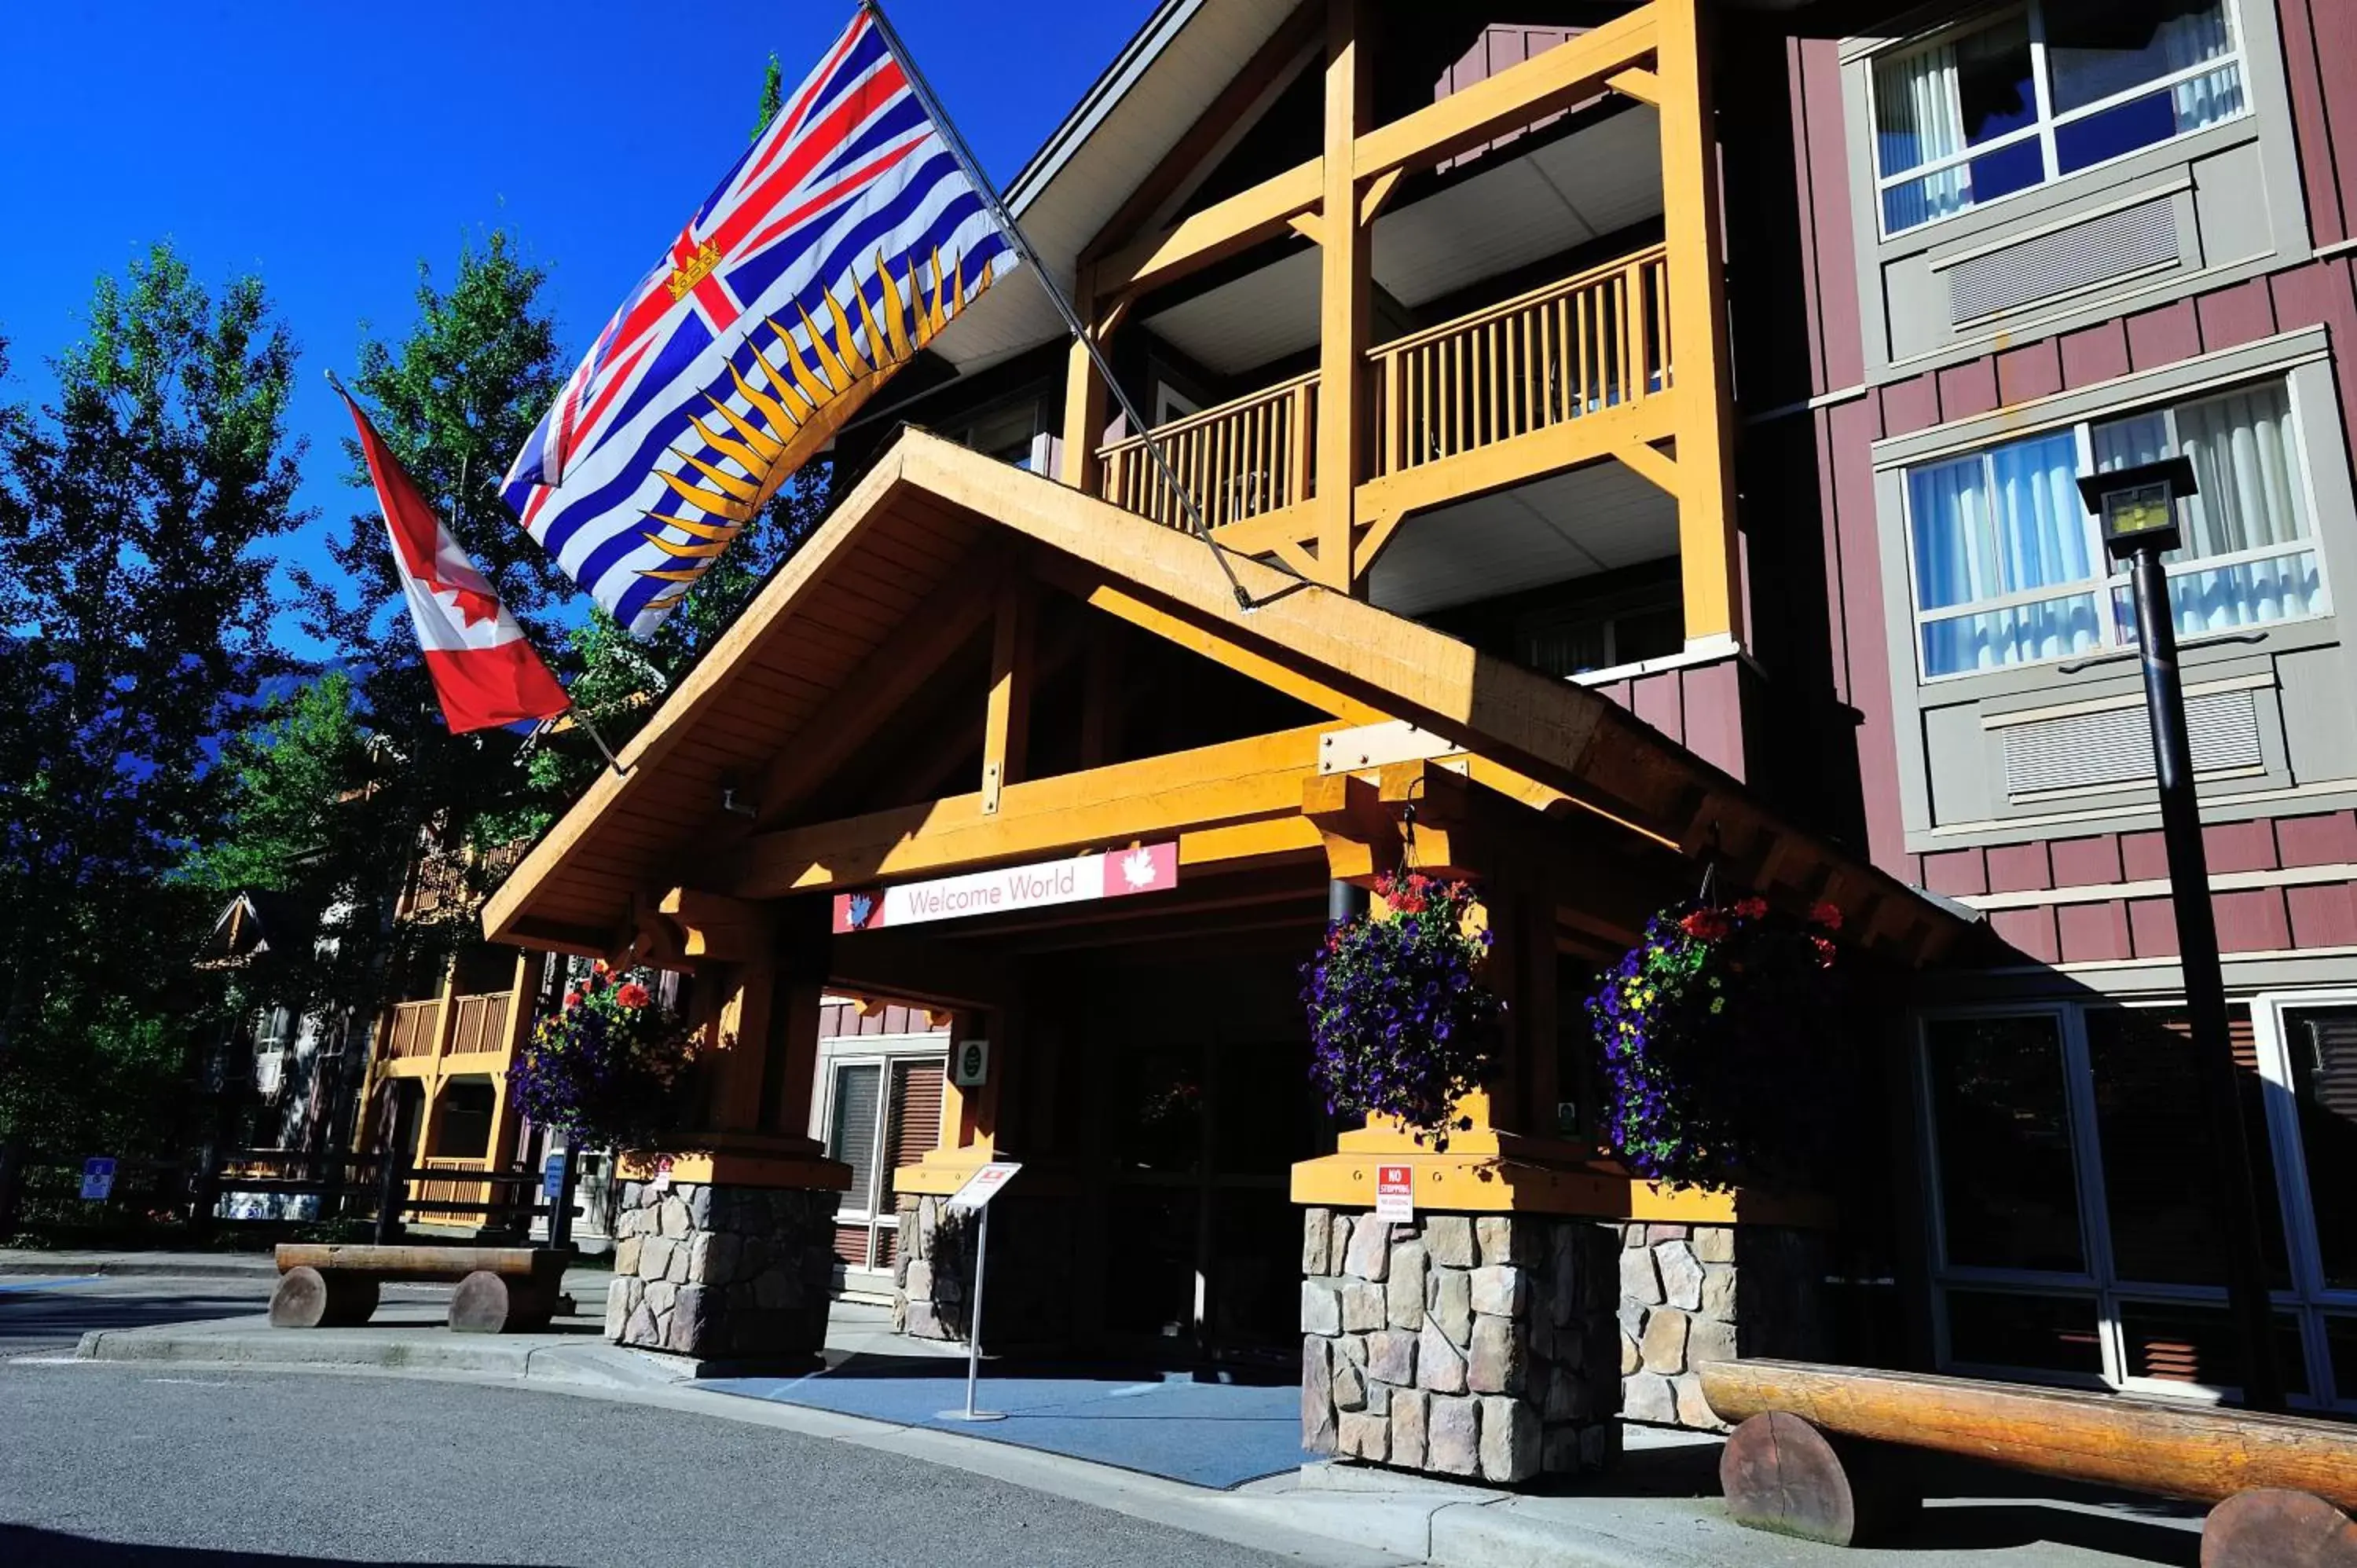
(1401, 1022)
(609, 1067)
(1718, 1038)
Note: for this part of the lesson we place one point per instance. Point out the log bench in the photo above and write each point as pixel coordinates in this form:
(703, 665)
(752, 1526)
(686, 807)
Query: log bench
(1817, 1452)
(501, 1290)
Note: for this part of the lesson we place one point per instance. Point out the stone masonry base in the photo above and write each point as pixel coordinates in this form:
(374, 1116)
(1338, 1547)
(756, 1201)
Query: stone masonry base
(740, 1273)
(1027, 1301)
(1679, 1308)
(1458, 1345)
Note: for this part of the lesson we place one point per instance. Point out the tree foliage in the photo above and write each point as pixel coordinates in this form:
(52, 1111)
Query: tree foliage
(134, 610)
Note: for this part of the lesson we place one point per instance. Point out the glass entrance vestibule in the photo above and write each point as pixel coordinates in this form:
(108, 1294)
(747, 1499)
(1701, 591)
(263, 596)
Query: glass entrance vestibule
(2073, 1236)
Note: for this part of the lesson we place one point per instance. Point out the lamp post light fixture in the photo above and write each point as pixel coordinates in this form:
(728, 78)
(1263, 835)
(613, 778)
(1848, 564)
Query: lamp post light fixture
(2138, 511)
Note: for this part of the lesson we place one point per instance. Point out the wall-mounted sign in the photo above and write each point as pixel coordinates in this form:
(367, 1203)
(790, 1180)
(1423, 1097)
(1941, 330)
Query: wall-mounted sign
(1117, 874)
(970, 1064)
(97, 1178)
(1396, 1194)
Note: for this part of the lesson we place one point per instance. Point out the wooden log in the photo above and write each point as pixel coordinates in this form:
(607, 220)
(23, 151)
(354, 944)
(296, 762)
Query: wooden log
(1781, 1473)
(2196, 1452)
(421, 1263)
(305, 1298)
(2273, 1528)
(488, 1303)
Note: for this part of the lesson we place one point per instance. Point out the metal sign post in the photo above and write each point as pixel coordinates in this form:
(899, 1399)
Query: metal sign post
(977, 1192)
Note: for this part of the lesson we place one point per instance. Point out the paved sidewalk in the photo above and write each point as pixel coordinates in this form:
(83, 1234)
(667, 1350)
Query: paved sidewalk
(1660, 1510)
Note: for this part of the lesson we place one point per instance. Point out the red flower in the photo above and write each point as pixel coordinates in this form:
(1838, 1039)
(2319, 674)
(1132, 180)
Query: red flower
(1706, 925)
(1829, 916)
(1825, 952)
(572, 1000)
(632, 995)
(1752, 908)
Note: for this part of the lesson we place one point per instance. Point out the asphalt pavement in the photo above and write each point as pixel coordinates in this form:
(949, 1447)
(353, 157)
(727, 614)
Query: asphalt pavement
(165, 1467)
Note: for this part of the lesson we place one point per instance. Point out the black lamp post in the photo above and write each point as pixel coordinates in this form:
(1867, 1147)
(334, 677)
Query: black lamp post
(2139, 509)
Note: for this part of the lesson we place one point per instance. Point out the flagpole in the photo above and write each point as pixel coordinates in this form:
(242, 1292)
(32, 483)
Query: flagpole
(1064, 307)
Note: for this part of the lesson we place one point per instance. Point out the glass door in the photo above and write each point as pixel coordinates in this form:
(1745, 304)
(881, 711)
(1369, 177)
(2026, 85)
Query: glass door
(2307, 1053)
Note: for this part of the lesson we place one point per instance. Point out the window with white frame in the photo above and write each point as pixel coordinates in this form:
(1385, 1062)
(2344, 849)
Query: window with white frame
(2034, 92)
(2009, 568)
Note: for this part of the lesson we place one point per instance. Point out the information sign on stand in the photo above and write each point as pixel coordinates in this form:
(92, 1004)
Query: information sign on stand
(97, 1178)
(979, 1189)
(1396, 1194)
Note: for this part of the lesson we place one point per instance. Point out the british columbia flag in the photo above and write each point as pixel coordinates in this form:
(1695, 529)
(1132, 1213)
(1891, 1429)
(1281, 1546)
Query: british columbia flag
(844, 238)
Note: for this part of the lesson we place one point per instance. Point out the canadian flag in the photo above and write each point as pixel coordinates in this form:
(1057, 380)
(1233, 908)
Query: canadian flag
(484, 669)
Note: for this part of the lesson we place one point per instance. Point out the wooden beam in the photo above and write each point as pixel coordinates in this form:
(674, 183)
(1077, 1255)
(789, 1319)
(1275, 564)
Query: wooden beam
(2198, 1452)
(1361, 838)
(1520, 459)
(1006, 723)
(1346, 293)
(1378, 194)
(1709, 555)
(1552, 80)
(1085, 393)
(932, 633)
(714, 928)
(1235, 781)
(1651, 464)
(909, 967)
(1216, 232)
(1100, 694)
(1637, 82)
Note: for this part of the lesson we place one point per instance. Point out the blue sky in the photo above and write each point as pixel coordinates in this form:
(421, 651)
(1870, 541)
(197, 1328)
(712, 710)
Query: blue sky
(329, 147)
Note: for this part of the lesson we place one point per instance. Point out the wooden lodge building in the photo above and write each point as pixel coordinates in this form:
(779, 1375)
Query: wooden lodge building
(1642, 435)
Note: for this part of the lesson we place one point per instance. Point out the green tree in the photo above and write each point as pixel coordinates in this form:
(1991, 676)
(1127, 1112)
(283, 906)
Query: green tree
(134, 595)
(773, 96)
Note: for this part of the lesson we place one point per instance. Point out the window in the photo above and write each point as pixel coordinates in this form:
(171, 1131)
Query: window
(2009, 568)
(1007, 433)
(2040, 91)
(2074, 1195)
(852, 1137)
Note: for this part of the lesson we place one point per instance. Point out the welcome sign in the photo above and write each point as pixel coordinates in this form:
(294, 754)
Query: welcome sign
(1117, 874)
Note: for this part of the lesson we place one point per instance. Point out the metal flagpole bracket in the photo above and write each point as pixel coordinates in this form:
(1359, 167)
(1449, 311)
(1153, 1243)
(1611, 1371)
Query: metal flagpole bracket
(1064, 306)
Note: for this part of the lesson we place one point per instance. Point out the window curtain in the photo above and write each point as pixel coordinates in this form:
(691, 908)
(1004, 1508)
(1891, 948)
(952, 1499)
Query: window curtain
(2003, 522)
(1919, 119)
(2246, 474)
(2198, 33)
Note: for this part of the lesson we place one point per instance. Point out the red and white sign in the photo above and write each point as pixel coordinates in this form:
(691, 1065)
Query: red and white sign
(1117, 874)
(984, 1184)
(1396, 1194)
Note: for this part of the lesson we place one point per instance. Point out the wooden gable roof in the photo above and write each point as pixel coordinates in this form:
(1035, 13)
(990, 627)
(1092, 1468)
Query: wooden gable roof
(901, 564)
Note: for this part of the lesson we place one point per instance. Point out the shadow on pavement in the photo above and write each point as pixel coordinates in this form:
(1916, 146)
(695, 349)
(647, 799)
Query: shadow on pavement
(66, 1314)
(48, 1549)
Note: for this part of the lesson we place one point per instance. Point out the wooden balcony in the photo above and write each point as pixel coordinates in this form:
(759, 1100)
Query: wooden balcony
(414, 1027)
(478, 1026)
(1584, 345)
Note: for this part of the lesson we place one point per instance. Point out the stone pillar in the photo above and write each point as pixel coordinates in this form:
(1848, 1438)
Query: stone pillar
(1691, 1294)
(722, 1271)
(1028, 1302)
(1479, 1346)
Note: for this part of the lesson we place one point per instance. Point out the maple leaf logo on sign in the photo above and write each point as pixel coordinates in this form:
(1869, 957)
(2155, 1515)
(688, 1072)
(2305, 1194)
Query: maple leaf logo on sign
(1137, 868)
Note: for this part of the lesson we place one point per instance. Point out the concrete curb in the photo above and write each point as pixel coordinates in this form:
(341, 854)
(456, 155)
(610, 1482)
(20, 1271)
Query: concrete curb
(177, 1265)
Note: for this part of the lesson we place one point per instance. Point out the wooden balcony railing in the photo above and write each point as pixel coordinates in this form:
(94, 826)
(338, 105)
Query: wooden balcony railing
(444, 1178)
(413, 1029)
(482, 1024)
(1238, 460)
(1598, 340)
(1593, 342)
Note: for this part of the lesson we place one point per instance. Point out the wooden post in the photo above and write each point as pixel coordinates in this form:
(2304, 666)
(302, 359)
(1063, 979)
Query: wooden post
(1084, 394)
(804, 946)
(1346, 298)
(741, 1032)
(1007, 725)
(1709, 554)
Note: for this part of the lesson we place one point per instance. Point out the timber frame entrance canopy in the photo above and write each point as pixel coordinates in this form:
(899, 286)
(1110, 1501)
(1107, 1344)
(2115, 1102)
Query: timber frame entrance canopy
(725, 806)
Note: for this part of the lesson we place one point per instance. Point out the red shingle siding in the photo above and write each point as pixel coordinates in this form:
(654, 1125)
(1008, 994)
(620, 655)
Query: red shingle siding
(2017, 868)
(2086, 862)
(2323, 917)
(2094, 933)
(2252, 920)
(2328, 838)
(2032, 931)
